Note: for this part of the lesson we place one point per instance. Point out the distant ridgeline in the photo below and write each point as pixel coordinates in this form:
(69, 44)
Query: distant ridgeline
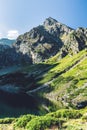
(6, 41)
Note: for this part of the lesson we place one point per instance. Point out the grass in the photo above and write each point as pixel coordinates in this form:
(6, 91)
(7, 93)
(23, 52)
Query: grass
(61, 66)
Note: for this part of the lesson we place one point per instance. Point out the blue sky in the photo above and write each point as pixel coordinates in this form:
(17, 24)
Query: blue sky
(19, 16)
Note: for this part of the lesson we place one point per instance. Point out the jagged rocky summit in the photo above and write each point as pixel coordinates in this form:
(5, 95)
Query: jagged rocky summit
(43, 42)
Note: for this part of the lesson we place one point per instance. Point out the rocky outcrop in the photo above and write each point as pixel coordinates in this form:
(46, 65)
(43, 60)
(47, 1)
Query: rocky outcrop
(38, 44)
(75, 41)
(56, 28)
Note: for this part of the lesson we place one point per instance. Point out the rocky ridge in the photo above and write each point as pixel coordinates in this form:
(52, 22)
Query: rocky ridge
(45, 41)
(6, 41)
(53, 37)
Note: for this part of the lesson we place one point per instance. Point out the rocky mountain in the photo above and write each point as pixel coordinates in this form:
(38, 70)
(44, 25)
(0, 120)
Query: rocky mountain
(43, 42)
(46, 40)
(51, 90)
(38, 44)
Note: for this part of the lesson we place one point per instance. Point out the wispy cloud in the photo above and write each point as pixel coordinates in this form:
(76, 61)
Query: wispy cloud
(12, 34)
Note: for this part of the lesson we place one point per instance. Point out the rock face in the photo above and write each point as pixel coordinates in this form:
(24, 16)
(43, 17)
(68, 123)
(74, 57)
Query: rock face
(43, 42)
(56, 28)
(46, 40)
(75, 41)
(38, 43)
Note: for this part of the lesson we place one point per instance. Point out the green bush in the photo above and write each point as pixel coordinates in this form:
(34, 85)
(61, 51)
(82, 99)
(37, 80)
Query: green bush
(65, 113)
(41, 123)
(32, 122)
(6, 120)
(23, 120)
(84, 117)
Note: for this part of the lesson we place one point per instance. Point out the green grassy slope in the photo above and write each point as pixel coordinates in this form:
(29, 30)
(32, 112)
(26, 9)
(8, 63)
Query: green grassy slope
(70, 82)
(56, 84)
(64, 82)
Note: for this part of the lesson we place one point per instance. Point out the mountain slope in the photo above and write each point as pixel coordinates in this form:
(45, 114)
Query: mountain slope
(56, 80)
(43, 41)
(38, 44)
(9, 57)
(67, 79)
(54, 85)
(46, 40)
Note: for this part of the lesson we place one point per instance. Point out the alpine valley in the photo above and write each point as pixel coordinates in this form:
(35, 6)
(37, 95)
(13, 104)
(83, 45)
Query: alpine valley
(43, 79)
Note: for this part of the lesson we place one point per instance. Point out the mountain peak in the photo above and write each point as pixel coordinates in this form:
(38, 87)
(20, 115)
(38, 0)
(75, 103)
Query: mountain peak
(50, 21)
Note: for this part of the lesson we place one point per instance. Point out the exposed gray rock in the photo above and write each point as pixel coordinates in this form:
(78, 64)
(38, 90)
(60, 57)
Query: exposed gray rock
(50, 21)
(56, 28)
(38, 44)
(75, 41)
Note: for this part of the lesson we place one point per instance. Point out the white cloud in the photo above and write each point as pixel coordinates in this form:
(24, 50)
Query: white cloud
(12, 34)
